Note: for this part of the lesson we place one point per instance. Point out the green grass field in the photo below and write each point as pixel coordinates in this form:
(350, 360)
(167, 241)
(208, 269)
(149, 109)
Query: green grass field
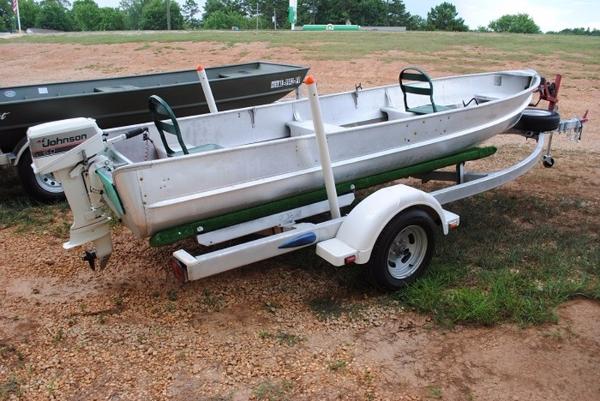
(346, 45)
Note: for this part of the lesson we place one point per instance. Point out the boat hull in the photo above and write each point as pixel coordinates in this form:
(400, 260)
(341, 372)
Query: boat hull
(164, 193)
(232, 88)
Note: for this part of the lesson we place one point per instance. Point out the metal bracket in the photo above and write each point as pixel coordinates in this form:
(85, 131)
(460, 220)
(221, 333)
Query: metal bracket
(252, 115)
(355, 93)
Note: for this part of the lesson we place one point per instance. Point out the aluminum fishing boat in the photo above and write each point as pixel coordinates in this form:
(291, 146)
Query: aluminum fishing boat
(259, 154)
(265, 159)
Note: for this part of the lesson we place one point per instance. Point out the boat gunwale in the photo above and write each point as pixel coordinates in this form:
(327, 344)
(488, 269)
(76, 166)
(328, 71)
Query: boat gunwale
(133, 91)
(150, 163)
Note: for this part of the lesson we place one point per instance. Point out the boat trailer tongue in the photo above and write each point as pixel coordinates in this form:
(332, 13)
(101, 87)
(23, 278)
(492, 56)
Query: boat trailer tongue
(535, 120)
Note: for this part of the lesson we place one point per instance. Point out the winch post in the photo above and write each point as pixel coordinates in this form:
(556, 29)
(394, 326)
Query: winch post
(317, 117)
(210, 100)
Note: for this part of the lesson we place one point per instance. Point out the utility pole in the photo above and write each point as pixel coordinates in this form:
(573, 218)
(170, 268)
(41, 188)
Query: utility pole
(15, 7)
(257, 15)
(168, 15)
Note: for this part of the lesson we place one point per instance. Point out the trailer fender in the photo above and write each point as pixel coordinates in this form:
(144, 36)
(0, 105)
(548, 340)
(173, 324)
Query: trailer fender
(362, 226)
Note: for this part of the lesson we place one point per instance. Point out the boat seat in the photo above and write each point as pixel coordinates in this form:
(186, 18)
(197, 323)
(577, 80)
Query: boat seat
(166, 122)
(395, 113)
(415, 74)
(298, 128)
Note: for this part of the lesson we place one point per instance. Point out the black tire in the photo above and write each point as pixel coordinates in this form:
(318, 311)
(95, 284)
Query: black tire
(538, 120)
(548, 161)
(43, 189)
(422, 227)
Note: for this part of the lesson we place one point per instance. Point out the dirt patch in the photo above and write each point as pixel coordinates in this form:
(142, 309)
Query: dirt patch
(132, 332)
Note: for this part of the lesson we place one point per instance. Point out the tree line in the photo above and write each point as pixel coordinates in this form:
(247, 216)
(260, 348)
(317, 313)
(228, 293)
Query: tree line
(86, 15)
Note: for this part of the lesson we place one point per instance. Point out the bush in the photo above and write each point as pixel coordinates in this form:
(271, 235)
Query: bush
(517, 23)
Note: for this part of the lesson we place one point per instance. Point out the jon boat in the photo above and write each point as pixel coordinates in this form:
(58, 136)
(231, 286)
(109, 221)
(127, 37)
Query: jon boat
(254, 156)
(234, 167)
(120, 101)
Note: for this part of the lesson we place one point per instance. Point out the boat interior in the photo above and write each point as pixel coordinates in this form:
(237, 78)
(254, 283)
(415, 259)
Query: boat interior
(416, 97)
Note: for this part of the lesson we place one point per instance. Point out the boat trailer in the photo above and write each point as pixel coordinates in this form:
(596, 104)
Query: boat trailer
(391, 229)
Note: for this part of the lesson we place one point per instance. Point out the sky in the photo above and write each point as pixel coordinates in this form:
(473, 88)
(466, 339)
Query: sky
(550, 15)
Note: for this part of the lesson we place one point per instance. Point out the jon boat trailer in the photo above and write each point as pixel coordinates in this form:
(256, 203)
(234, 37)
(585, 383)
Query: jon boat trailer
(391, 229)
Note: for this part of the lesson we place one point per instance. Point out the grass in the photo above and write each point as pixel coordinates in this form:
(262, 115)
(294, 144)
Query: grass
(17, 210)
(348, 45)
(337, 365)
(273, 391)
(10, 388)
(434, 392)
(509, 261)
(282, 337)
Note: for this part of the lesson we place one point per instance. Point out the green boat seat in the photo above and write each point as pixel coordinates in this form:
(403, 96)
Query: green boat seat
(166, 123)
(415, 74)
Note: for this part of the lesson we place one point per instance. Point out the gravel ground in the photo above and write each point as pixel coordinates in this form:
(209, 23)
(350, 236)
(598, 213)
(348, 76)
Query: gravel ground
(287, 328)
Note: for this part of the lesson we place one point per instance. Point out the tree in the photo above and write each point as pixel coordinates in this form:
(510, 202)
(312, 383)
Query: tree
(86, 15)
(111, 19)
(53, 15)
(154, 15)
(189, 10)
(444, 17)
(397, 14)
(28, 10)
(416, 23)
(6, 16)
(226, 6)
(132, 10)
(515, 23)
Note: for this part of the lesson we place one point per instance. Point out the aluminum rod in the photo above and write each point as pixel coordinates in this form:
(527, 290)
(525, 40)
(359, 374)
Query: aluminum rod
(210, 100)
(317, 117)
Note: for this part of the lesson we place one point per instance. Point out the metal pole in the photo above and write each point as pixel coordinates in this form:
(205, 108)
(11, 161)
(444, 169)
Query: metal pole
(168, 15)
(315, 109)
(257, 15)
(210, 100)
(18, 15)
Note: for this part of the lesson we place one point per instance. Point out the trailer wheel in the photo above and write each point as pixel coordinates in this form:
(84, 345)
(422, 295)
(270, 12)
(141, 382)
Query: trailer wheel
(403, 250)
(43, 188)
(538, 120)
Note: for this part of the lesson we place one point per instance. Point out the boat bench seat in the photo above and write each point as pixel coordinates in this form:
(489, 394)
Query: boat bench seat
(395, 113)
(486, 97)
(298, 128)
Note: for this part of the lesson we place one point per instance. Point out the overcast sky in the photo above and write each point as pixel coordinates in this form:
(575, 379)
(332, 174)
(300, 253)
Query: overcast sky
(550, 15)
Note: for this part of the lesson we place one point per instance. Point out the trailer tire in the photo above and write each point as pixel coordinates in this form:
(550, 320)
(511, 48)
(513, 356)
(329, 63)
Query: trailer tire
(538, 120)
(41, 188)
(403, 250)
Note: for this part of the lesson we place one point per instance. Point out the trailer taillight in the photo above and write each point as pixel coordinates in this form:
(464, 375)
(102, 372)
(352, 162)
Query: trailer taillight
(179, 270)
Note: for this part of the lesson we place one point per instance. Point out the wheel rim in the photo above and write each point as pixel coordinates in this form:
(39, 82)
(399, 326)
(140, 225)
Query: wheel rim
(407, 251)
(48, 183)
(537, 112)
